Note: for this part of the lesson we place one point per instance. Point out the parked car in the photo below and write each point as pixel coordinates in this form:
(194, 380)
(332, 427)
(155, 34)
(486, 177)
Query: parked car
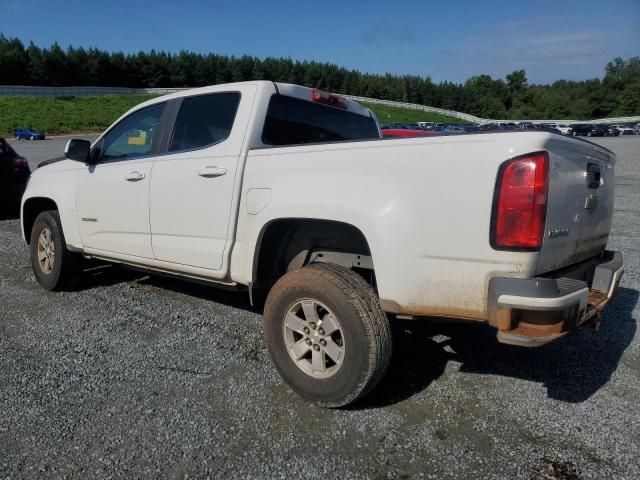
(454, 129)
(14, 174)
(612, 130)
(404, 133)
(28, 134)
(494, 127)
(564, 128)
(625, 129)
(589, 130)
(343, 232)
(602, 130)
(546, 127)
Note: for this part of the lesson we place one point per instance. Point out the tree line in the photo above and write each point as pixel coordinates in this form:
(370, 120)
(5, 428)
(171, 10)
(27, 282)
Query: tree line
(616, 94)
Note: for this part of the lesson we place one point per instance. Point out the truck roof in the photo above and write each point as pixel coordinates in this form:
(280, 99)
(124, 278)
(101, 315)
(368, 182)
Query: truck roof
(297, 91)
(306, 93)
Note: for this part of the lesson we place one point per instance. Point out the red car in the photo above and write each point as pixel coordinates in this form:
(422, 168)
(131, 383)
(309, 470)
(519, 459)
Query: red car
(404, 133)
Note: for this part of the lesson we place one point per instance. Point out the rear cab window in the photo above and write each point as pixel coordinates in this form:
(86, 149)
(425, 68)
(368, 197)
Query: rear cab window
(293, 121)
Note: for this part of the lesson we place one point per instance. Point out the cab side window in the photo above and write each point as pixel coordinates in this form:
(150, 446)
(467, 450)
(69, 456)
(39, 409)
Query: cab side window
(134, 136)
(204, 120)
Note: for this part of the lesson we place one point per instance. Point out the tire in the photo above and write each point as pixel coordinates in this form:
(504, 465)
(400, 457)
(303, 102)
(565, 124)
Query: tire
(574, 134)
(32, 137)
(364, 334)
(63, 267)
(589, 134)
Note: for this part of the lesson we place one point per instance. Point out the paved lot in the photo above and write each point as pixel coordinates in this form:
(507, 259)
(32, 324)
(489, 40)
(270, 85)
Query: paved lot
(133, 376)
(37, 151)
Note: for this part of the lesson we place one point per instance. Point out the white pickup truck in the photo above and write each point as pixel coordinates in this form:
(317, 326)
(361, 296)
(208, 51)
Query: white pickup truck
(290, 191)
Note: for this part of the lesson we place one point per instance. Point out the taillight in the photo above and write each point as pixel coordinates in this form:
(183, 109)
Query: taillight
(326, 98)
(520, 209)
(19, 162)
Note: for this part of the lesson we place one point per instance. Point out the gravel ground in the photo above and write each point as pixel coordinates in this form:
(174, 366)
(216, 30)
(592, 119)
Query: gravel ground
(136, 376)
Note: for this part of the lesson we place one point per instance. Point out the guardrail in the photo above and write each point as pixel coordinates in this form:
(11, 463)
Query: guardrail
(80, 91)
(473, 119)
(414, 106)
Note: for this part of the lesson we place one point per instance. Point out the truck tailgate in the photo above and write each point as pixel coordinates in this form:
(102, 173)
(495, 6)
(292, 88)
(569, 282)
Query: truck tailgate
(580, 202)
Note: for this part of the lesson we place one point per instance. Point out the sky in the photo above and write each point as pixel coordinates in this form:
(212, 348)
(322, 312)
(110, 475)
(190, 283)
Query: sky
(446, 40)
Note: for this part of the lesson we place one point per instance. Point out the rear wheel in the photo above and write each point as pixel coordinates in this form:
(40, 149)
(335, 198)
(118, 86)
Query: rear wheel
(326, 334)
(54, 267)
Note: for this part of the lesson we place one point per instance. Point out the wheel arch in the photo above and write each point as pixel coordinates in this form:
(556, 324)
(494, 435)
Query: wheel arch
(285, 244)
(31, 208)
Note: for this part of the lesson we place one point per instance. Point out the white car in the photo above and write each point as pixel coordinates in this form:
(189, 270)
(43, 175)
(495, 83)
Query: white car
(564, 128)
(290, 192)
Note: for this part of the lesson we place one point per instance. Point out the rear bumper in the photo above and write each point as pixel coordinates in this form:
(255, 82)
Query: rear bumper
(532, 312)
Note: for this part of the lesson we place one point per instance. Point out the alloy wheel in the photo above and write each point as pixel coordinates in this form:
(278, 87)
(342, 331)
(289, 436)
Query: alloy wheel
(46, 251)
(314, 338)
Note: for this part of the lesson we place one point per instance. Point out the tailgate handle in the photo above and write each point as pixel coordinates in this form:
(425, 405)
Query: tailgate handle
(593, 175)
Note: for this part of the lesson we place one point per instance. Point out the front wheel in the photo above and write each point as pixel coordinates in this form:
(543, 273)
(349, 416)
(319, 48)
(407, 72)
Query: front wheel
(54, 267)
(326, 334)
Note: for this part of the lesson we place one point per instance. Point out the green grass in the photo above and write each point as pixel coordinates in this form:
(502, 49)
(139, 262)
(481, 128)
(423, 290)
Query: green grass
(64, 115)
(95, 113)
(388, 115)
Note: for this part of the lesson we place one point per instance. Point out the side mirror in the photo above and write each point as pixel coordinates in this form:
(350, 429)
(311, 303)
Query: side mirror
(78, 150)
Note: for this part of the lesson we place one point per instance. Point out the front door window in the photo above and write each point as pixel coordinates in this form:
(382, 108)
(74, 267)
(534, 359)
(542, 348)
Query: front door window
(135, 136)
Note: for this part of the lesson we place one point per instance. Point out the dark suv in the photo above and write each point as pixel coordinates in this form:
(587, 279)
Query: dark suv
(590, 130)
(14, 173)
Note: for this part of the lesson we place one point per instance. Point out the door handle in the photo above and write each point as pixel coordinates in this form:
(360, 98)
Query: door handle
(134, 176)
(593, 175)
(212, 171)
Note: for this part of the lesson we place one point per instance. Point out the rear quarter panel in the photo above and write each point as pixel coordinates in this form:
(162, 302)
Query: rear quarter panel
(424, 206)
